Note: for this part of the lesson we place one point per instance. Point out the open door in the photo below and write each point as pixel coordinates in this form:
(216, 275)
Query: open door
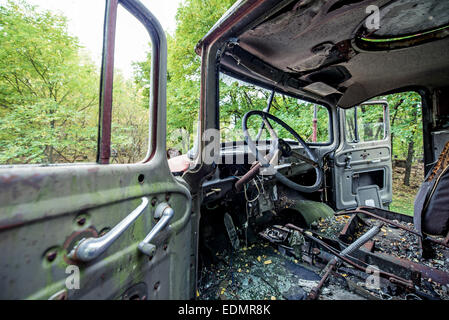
(101, 231)
(362, 170)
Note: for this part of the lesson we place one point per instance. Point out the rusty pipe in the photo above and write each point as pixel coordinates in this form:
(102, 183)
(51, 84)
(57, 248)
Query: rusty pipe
(386, 275)
(398, 225)
(247, 177)
(314, 293)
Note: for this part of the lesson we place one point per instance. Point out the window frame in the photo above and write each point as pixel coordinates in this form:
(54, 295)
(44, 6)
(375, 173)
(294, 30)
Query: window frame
(157, 103)
(356, 126)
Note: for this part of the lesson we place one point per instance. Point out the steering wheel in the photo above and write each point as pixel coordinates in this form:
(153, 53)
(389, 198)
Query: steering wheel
(278, 148)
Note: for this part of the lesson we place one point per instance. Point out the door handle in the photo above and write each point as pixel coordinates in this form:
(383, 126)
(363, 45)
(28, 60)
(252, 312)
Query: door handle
(89, 249)
(164, 213)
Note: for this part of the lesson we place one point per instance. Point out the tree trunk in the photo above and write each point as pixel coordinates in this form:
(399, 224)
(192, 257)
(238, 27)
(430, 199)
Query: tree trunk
(409, 162)
(410, 152)
(393, 119)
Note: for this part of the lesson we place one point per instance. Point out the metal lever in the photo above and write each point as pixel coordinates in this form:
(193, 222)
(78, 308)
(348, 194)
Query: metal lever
(314, 293)
(163, 212)
(89, 249)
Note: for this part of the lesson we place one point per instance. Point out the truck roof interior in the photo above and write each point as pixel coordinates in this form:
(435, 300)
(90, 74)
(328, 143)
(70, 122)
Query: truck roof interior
(324, 51)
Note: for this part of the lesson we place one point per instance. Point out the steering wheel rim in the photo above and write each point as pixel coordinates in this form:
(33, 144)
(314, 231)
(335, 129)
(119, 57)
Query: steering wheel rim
(284, 180)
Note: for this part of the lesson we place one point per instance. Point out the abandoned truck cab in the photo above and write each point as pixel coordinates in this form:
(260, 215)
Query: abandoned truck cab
(286, 194)
(309, 148)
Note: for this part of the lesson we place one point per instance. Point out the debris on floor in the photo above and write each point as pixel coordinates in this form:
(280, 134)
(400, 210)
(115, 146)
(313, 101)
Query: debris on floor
(390, 240)
(258, 272)
(286, 264)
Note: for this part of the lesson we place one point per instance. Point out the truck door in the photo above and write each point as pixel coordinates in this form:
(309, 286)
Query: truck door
(99, 230)
(362, 170)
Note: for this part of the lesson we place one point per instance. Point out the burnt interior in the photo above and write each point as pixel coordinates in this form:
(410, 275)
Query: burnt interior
(272, 252)
(259, 242)
(309, 42)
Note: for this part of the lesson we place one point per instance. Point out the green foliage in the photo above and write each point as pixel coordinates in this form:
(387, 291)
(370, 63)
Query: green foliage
(370, 123)
(47, 89)
(237, 98)
(194, 18)
(130, 121)
(406, 122)
(49, 95)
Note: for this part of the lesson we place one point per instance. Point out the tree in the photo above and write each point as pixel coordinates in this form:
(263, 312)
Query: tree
(194, 18)
(406, 133)
(411, 147)
(47, 89)
(130, 121)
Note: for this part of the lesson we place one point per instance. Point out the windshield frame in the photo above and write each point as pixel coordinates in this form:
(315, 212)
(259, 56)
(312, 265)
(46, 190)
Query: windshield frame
(276, 91)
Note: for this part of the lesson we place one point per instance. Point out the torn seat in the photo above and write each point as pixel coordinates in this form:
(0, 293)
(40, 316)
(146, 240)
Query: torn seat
(431, 213)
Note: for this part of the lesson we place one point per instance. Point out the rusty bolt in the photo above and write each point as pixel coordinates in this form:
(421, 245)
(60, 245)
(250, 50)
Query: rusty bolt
(81, 221)
(51, 255)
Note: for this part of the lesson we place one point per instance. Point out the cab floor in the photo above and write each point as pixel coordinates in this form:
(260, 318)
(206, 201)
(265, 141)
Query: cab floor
(262, 272)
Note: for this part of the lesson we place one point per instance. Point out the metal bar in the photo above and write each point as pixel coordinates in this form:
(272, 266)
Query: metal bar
(106, 83)
(386, 275)
(314, 293)
(398, 225)
(247, 177)
(158, 85)
(356, 126)
(315, 123)
(349, 229)
(362, 240)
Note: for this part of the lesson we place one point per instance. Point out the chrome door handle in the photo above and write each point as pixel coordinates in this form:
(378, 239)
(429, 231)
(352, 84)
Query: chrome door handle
(165, 213)
(89, 249)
